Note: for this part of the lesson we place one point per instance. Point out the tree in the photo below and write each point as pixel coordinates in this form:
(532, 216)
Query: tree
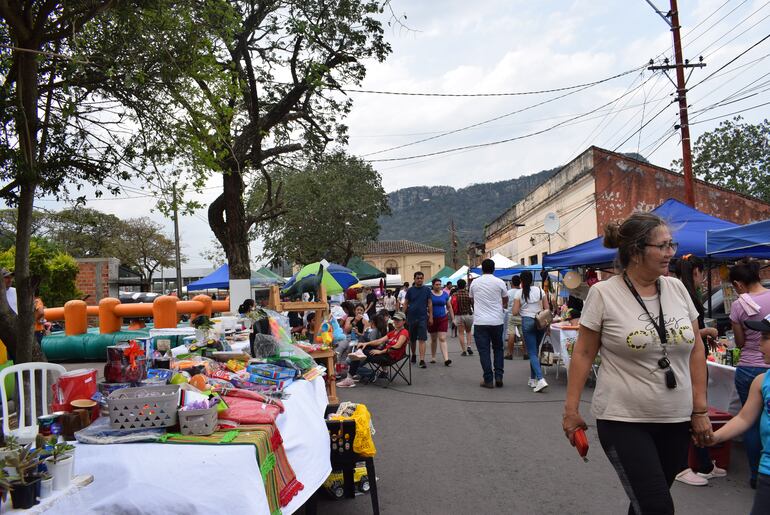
(57, 272)
(8, 218)
(84, 232)
(331, 211)
(238, 87)
(214, 254)
(45, 141)
(143, 247)
(736, 156)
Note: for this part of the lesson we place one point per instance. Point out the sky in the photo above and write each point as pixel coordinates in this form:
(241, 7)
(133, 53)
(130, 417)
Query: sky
(505, 46)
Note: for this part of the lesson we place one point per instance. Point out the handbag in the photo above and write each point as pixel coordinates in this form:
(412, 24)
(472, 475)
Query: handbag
(544, 317)
(546, 354)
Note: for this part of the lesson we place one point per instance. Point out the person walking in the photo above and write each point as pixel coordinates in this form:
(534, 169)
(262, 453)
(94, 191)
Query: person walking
(490, 299)
(371, 303)
(514, 321)
(754, 411)
(689, 269)
(419, 315)
(39, 318)
(442, 315)
(389, 303)
(753, 304)
(651, 390)
(528, 304)
(401, 296)
(462, 306)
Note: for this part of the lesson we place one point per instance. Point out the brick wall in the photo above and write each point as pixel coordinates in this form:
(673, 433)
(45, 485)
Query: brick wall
(624, 185)
(94, 279)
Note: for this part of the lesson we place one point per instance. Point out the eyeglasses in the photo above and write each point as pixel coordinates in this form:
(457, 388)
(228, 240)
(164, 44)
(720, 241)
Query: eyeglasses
(673, 245)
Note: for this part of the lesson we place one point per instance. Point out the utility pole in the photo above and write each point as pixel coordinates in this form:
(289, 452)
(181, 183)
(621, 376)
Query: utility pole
(681, 90)
(453, 244)
(176, 243)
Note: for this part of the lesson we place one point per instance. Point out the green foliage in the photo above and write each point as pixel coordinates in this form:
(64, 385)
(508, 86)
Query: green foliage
(331, 211)
(736, 156)
(55, 270)
(84, 232)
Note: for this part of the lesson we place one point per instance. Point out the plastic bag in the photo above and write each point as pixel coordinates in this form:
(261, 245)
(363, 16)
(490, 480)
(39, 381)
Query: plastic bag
(100, 432)
(287, 350)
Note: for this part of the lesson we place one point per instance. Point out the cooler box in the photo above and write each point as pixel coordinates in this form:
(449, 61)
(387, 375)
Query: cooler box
(720, 452)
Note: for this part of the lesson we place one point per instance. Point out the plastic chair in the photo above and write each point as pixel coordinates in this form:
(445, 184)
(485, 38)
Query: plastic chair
(27, 430)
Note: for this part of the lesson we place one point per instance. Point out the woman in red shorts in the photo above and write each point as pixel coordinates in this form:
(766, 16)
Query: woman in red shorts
(442, 315)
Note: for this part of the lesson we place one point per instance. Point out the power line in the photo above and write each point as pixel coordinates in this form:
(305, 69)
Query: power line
(464, 95)
(507, 140)
(731, 61)
(722, 117)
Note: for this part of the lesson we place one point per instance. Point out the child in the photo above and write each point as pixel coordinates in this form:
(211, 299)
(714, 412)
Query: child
(758, 402)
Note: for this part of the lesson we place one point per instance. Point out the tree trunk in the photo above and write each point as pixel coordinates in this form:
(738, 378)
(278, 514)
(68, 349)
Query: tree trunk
(26, 347)
(228, 221)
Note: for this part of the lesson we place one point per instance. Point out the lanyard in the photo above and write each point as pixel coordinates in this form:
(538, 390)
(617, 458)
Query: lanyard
(660, 325)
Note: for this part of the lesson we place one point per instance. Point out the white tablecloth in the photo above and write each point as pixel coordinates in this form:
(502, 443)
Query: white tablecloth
(153, 478)
(560, 338)
(721, 388)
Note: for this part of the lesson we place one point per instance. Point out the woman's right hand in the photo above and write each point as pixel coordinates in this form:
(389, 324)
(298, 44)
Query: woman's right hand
(571, 422)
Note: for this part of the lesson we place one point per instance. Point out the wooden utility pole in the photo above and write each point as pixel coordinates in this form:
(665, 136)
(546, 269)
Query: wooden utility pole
(175, 205)
(672, 19)
(453, 243)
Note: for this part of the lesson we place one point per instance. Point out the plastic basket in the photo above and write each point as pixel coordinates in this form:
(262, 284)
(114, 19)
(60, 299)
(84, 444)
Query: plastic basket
(200, 422)
(143, 407)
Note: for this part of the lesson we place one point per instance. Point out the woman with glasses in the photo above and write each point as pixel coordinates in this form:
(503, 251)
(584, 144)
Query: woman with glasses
(651, 389)
(753, 304)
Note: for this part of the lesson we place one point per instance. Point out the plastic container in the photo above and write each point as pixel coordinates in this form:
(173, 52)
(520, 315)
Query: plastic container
(200, 422)
(144, 407)
(719, 453)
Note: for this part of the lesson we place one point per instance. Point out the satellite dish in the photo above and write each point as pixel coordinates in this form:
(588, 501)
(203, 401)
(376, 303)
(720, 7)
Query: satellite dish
(551, 223)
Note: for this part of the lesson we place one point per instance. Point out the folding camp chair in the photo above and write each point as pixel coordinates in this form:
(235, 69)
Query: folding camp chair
(394, 369)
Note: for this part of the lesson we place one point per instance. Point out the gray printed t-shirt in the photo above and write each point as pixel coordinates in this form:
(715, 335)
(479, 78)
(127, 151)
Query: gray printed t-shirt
(630, 385)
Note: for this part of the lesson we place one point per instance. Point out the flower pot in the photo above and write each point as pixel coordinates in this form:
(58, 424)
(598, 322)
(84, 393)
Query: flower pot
(46, 487)
(61, 471)
(23, 496)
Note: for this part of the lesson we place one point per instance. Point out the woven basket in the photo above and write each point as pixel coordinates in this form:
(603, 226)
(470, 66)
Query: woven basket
(143, 407)
(201, 422)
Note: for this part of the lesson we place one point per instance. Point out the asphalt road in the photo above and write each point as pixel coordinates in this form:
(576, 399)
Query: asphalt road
(447, 446)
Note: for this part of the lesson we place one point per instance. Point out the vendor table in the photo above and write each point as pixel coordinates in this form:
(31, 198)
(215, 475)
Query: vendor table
(154, 478)
(721, 388)
(561, 337)
(327, 358)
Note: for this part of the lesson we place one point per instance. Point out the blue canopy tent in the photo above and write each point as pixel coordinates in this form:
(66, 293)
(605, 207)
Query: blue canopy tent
(688, 227)
(751, 240)
(220, 279)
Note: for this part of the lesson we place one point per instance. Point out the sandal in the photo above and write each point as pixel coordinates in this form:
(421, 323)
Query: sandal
(447, 362)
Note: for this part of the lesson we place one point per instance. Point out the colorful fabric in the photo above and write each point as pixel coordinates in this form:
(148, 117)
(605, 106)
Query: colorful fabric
(281, 484)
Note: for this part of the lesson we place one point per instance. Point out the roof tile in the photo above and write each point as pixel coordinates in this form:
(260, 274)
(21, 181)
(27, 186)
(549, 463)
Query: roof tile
(400, 247)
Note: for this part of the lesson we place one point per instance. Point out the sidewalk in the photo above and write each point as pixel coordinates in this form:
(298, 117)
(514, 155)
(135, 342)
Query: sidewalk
(447, 446)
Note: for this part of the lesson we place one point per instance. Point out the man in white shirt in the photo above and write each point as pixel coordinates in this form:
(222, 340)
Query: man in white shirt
(10, 291)
(402, 296)
(490, 299)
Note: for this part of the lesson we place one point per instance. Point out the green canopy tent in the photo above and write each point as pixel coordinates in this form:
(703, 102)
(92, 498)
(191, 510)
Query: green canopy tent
(364, 270)
(266, 272)
(444, 272)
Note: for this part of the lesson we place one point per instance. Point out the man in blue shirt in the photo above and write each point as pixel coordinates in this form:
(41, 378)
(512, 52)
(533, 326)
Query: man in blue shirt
(419, 313)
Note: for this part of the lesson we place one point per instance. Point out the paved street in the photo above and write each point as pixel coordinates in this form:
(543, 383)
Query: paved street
(447, 446)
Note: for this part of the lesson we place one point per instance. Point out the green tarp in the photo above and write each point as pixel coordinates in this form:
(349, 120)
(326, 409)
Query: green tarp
(364, 270)
(444, 272)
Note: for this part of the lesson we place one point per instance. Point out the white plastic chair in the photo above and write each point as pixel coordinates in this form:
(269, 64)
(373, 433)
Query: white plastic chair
(27, 430)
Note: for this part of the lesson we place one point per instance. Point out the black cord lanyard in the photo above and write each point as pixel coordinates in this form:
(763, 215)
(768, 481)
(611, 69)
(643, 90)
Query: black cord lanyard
(660, 325)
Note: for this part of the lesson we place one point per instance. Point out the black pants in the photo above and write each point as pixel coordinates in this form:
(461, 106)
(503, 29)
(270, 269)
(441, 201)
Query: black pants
(762, 496)
(380, 359)
(647, 458)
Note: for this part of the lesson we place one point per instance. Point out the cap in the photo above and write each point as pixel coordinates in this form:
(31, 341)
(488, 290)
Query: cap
(763, 326)
(6, 272)
(399, 315)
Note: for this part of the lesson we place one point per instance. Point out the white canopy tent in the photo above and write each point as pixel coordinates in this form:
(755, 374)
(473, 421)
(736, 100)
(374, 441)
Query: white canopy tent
(462, 273)
(391, 281)
(503, 262)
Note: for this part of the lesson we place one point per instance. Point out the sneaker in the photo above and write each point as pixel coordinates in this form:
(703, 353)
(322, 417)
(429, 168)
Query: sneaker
(532, 383)
(715, 472)
(414, 358)
(357, 355)
(422, 364)
(540, 386)
(447, 362)
(470, 351)
(688, 477)
(463, 353)
(499, 383)
(356, 378)
(346, 383)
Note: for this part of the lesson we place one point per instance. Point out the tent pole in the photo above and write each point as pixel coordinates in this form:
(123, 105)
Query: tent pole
(708, 279)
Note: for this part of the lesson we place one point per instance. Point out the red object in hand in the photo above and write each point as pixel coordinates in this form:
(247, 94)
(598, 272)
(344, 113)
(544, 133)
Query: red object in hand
(581, 443)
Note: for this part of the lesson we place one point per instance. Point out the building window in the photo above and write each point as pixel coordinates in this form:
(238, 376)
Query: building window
(391, 267)
(521, 261)
(427, 269)
(533, 260)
